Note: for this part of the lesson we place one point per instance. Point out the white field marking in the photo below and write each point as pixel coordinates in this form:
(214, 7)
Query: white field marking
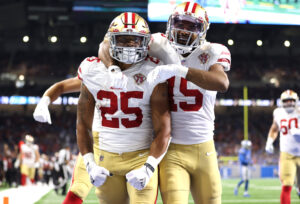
(247, 200)
(254, 186)
(25, 194)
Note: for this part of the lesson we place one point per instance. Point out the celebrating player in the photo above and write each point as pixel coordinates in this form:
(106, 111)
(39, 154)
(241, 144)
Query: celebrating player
(285, 121)
(127, 147)
(191, 161)
(29, 159)
(245, 162)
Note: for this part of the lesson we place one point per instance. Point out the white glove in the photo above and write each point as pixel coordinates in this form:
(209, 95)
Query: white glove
(41, 112)
(116, 79)
(295, 131)
(269, 145)
(139, 178)
(163, 72)
(97, 173)
(17, 163)
(36, 165)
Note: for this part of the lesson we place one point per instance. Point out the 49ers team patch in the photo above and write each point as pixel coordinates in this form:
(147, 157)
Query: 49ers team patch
(204, 57)
(139, 78)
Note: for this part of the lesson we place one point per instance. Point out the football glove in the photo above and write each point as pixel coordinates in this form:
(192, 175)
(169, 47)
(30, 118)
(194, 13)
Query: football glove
(139, 178)
(269, 145)
(116, 79)
(41, 112)
(163, 72)
(97, 173)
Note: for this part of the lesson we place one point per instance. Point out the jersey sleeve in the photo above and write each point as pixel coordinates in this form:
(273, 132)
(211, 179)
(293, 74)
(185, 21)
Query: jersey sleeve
(224, 56)
(85, 66)
(160, 48)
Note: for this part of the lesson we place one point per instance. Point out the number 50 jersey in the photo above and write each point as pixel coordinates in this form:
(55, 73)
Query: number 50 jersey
(123, 118)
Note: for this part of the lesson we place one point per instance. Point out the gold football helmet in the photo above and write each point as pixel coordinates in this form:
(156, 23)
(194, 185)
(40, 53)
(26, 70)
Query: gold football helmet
(289, 100)
(29, 139)
(129, 36)
(187, 27)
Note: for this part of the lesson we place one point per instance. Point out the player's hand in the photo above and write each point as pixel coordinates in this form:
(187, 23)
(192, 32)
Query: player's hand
(163, 72)
(17, 163)
(269, 148)
(41, 112)
(97, 173)
(139, 178)
(116, 79)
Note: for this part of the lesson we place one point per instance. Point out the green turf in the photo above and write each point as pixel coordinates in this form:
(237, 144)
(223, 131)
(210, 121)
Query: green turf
(262, 191)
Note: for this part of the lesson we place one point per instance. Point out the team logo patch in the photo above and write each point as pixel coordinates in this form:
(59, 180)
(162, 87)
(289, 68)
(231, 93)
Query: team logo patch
(203, 57)
(139, 78)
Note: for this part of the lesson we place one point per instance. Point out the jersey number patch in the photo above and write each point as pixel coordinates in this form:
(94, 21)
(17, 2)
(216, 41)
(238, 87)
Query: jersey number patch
(186, 92)
(124, 98)
(285, 125)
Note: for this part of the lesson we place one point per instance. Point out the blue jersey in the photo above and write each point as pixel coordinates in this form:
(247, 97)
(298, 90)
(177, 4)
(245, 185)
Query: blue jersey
(245, 156)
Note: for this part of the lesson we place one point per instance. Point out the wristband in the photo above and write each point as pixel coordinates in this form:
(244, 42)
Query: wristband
(46, 100)
(88, 159)
(151, 163)
(270, 141)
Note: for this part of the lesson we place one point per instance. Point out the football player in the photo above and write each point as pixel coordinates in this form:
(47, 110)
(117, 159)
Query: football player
(286, 121)
(200, 68)
(29, 157)
(245, 161)
(129, 110)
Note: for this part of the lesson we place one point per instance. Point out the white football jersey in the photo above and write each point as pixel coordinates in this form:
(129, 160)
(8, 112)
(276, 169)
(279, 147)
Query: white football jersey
(28, 154)
(289, 130)
(193, 107)
(124, 117)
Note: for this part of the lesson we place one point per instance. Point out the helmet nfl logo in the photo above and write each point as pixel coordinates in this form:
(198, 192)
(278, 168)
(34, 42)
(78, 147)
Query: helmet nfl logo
(203, 58)
(139, 78)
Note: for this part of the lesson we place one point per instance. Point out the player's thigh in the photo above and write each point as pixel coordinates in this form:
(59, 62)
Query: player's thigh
(81, 184)
(114, 191)
(31, 173)
(287, 169)
(206, 187)
(24, 169)
(174, 179)
(146, 196)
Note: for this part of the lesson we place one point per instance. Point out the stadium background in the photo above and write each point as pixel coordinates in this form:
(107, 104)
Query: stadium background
(44, 41)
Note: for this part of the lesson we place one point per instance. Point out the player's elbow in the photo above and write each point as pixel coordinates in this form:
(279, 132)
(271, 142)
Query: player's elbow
(223, 85)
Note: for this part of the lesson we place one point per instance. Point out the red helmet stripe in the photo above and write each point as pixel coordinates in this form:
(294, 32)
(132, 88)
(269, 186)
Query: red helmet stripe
(133, 20)
(186, 6)
(126, 19)
(194, 8)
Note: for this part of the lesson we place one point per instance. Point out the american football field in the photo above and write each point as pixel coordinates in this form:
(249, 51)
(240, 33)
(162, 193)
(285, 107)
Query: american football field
(262, 191)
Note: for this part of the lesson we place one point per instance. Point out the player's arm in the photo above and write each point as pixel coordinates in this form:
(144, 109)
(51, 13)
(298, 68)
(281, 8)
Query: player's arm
(272, 135)
(66, 86)
(215, 79)
(161, 121)
(85, 114)
(139, 178)
(41, 112)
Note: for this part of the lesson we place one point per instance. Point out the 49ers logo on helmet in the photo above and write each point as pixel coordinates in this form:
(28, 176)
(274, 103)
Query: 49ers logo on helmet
(139, 78)
(203, 58)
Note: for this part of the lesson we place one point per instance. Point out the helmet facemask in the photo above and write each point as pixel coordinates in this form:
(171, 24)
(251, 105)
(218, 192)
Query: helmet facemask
(289, 105)
(128, 47)
(185, 32)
